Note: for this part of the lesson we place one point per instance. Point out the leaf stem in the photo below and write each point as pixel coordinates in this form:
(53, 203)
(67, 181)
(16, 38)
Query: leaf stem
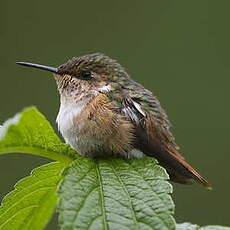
(38, 152)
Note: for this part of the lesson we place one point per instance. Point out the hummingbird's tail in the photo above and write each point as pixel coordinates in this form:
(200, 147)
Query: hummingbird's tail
(178, 169)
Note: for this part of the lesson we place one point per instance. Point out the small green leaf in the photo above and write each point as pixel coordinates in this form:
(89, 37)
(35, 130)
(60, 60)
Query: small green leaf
(32, 202)
(214, 227)
(115, 194)
(188, 226)
(30, 132)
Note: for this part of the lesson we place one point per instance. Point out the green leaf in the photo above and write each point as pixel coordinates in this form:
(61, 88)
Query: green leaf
(115, 194)
(94, 194)
(32, 202)
(30, 132)
(188, 226)
(214, 227)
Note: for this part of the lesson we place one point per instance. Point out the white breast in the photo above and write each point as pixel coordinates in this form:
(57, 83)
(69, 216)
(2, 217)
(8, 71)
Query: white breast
(66, 121)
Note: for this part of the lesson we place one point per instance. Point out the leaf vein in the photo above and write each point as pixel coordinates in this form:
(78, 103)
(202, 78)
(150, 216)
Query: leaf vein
(129, 197)
(101, 197)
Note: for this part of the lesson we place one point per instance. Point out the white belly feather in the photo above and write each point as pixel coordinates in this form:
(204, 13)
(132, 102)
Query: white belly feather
(66, 121)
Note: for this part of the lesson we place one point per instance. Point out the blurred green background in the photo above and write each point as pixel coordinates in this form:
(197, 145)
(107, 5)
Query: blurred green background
(178, 49)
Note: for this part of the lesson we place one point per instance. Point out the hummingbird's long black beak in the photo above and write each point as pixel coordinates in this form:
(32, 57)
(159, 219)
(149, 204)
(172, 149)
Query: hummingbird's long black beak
(37, 66)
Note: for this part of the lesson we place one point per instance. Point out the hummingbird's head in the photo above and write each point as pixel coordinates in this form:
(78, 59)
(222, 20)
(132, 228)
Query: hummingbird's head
(88, 74)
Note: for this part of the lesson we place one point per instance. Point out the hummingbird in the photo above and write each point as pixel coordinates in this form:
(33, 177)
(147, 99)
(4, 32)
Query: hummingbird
(103, 112)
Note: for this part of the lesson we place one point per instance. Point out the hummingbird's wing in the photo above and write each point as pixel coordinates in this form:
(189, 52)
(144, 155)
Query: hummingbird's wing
(154, 120)
(153, 135)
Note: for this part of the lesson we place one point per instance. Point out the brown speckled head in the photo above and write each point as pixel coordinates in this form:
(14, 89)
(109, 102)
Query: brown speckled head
(89, 72)
(97, 62)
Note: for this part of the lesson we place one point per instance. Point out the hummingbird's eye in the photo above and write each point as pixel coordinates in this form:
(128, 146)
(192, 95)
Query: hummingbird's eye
(86, 75)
